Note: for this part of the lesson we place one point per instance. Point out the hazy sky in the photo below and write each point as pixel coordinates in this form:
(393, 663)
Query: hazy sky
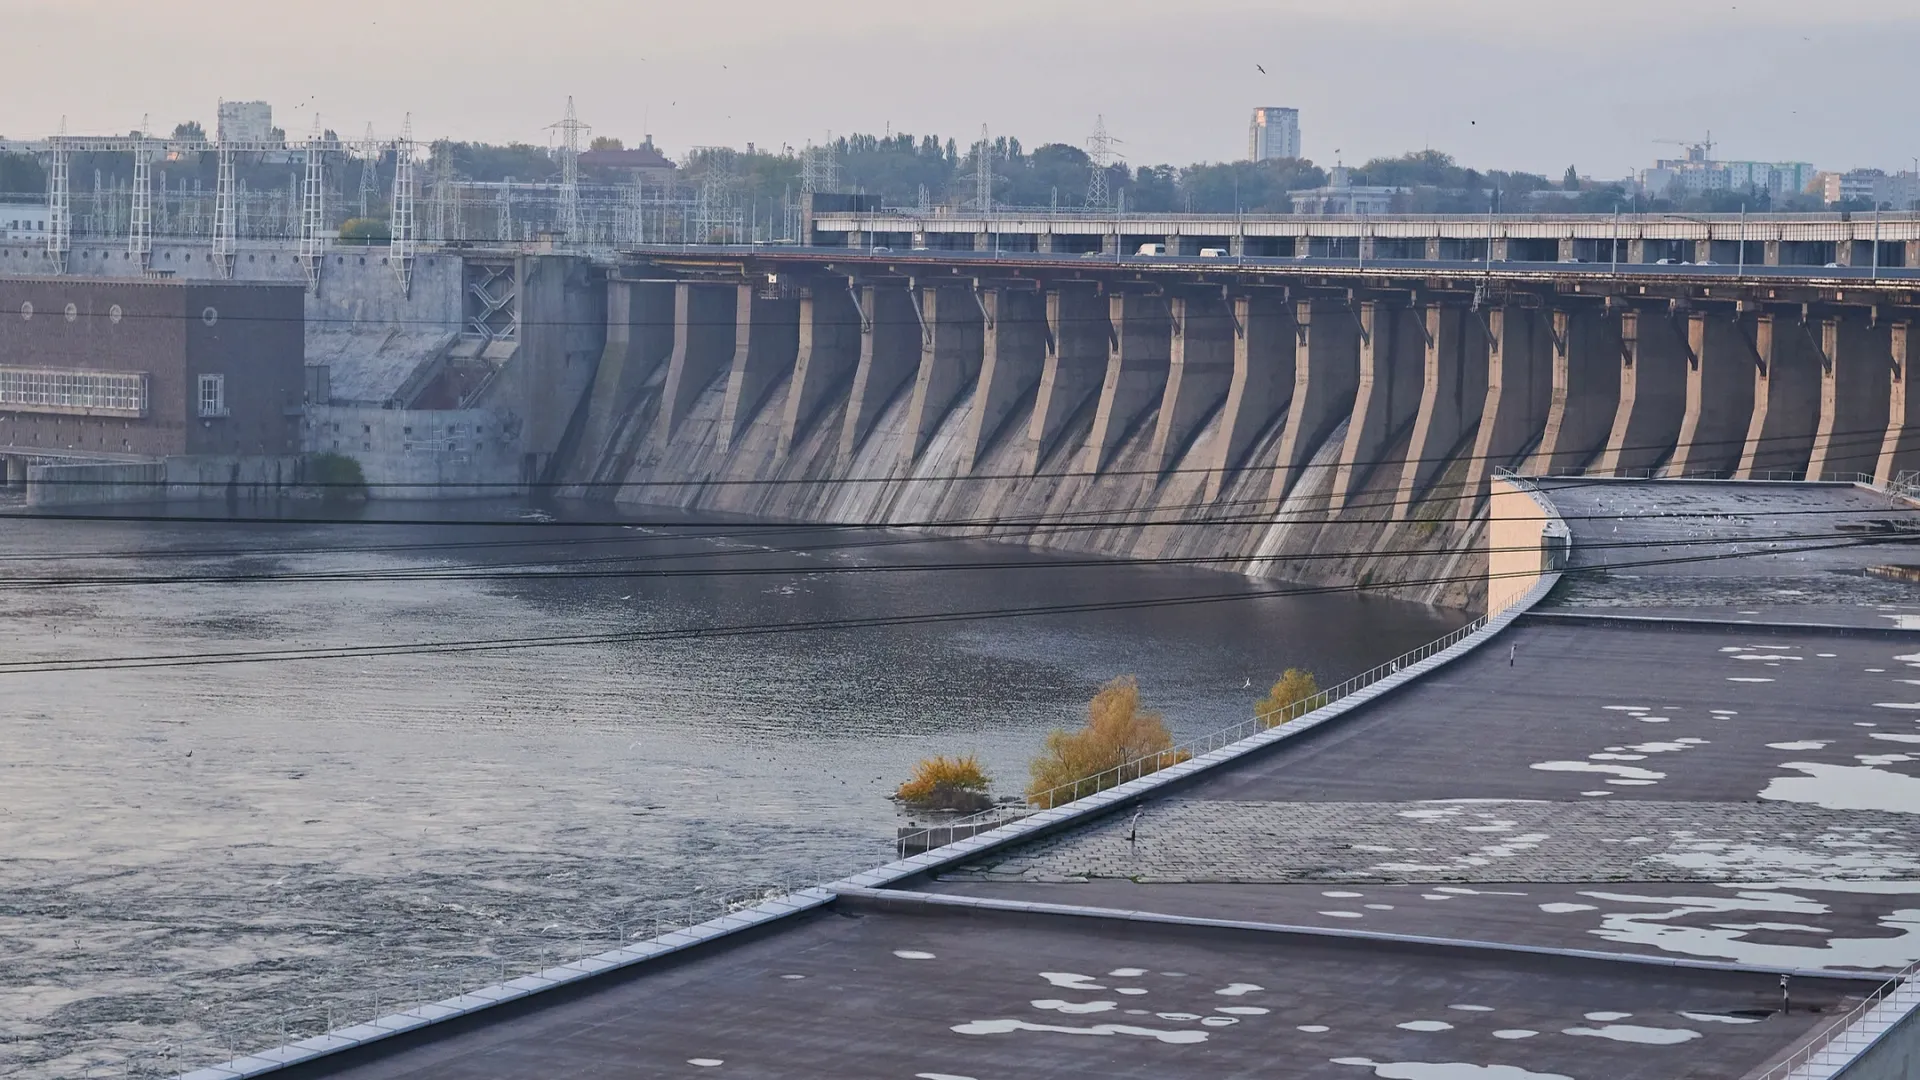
(1531, 84)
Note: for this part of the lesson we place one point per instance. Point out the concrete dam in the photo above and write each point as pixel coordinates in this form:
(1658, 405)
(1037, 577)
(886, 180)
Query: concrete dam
(1332, 425)
(1301, 398)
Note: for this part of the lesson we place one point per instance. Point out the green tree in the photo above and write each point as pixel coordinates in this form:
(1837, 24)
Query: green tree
(365, 231)
(1571, 181)
(189, 130)
(20, 172)
(606, 142)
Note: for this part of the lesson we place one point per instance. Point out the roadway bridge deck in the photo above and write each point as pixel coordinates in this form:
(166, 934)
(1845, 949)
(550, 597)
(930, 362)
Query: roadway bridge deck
(1883, 240)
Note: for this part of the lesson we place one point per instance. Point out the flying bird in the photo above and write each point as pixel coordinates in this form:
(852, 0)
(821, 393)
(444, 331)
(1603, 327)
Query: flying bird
(1263, 70)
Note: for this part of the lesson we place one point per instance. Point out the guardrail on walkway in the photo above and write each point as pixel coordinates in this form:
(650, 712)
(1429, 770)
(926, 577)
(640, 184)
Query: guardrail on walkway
(1842, 1043)
(1064, 794)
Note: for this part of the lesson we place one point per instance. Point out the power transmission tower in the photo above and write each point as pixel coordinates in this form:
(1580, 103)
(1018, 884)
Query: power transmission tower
(313, 209)
(59, 201)
(442, 188)
(140, 230)
(570, 129)
(819, 168)
(369, 169)
(400, 246)
(1100, 157)
(225, 223)
(983, 172)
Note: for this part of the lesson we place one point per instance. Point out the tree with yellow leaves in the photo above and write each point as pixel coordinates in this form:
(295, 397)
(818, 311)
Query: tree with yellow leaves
(1121, 741)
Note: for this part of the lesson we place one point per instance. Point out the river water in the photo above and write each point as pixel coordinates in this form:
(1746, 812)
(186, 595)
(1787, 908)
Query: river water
(199, 856)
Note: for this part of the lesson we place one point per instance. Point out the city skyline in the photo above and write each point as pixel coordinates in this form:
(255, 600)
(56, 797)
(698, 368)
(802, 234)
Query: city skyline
(1656, 74)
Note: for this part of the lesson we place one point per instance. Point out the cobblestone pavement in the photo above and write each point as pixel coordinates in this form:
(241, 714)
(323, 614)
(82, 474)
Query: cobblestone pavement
(1184, 840)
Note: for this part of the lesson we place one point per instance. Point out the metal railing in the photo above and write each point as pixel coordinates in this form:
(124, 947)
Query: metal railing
(1065, 794)
(1838, 1044)
(436, 979)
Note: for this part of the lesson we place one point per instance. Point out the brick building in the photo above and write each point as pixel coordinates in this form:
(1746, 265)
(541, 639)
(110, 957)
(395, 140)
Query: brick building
(150, 367)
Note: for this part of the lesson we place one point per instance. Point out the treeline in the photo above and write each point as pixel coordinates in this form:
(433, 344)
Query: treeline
(911, 170)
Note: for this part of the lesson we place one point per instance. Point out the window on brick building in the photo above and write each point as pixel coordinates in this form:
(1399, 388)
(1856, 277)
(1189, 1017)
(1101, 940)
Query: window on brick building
(213, 395)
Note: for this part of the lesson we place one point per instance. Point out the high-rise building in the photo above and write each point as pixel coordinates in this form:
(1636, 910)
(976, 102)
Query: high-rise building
(1275, 134)
(245, 121)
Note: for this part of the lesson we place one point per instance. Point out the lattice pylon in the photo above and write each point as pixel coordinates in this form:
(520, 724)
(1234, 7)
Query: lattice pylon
(59, 201)
(313, 194)
(369, 171)
(140, 212)
(1099, 157)
(225, 219)
(400, 248)
(983, 172)
(570, 129)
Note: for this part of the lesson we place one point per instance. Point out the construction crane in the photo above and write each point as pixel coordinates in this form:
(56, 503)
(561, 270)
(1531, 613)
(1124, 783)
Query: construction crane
(1701, 150)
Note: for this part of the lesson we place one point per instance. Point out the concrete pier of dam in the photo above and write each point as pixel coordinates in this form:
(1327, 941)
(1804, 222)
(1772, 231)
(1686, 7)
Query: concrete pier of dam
(1331, 419)
(1335, 425)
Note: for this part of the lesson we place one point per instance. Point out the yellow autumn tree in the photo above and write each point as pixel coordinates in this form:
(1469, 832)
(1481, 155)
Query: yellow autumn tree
(1294, 696)
(946, 783)
(1120, 742)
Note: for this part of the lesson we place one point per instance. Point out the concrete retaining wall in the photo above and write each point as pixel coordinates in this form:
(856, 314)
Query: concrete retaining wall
(81, 485)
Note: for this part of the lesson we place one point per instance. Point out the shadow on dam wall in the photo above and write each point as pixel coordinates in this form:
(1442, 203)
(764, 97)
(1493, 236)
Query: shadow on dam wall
(1084, 475)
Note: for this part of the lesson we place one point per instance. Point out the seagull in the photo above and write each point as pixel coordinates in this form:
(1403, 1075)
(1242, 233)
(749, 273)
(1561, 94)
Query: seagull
(1263, 70)
(1248, 685)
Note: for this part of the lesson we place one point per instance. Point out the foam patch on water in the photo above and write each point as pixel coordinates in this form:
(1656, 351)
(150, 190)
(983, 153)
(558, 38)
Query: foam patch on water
(1239, 989)
(1243, 1010)
(1074, 1007)
(1425, 1025)
(1514, 1033)
(1607, 1017)
(912, 954)
(1566, 909)
(1313, 1029)
(1127, 973)
(706, 1063)
(1471, 1008)
(1803, 744)
(1895, 736)
(1003, 1027)
(1629, 772)
(1451, 1070)
(1846, 787)
(1737, 678)
(1067, 980)
(1909, 705)
(1719, 1018)
(1343, 914)
(1658, 930)
(1634, 1033)
(940, 1076)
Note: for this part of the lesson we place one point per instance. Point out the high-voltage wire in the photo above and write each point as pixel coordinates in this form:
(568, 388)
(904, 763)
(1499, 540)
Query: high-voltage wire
(811, 626)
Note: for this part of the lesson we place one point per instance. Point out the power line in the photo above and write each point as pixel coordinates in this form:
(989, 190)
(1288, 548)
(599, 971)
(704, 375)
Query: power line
(573, 570)
(818, 625)
(1859, 438)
